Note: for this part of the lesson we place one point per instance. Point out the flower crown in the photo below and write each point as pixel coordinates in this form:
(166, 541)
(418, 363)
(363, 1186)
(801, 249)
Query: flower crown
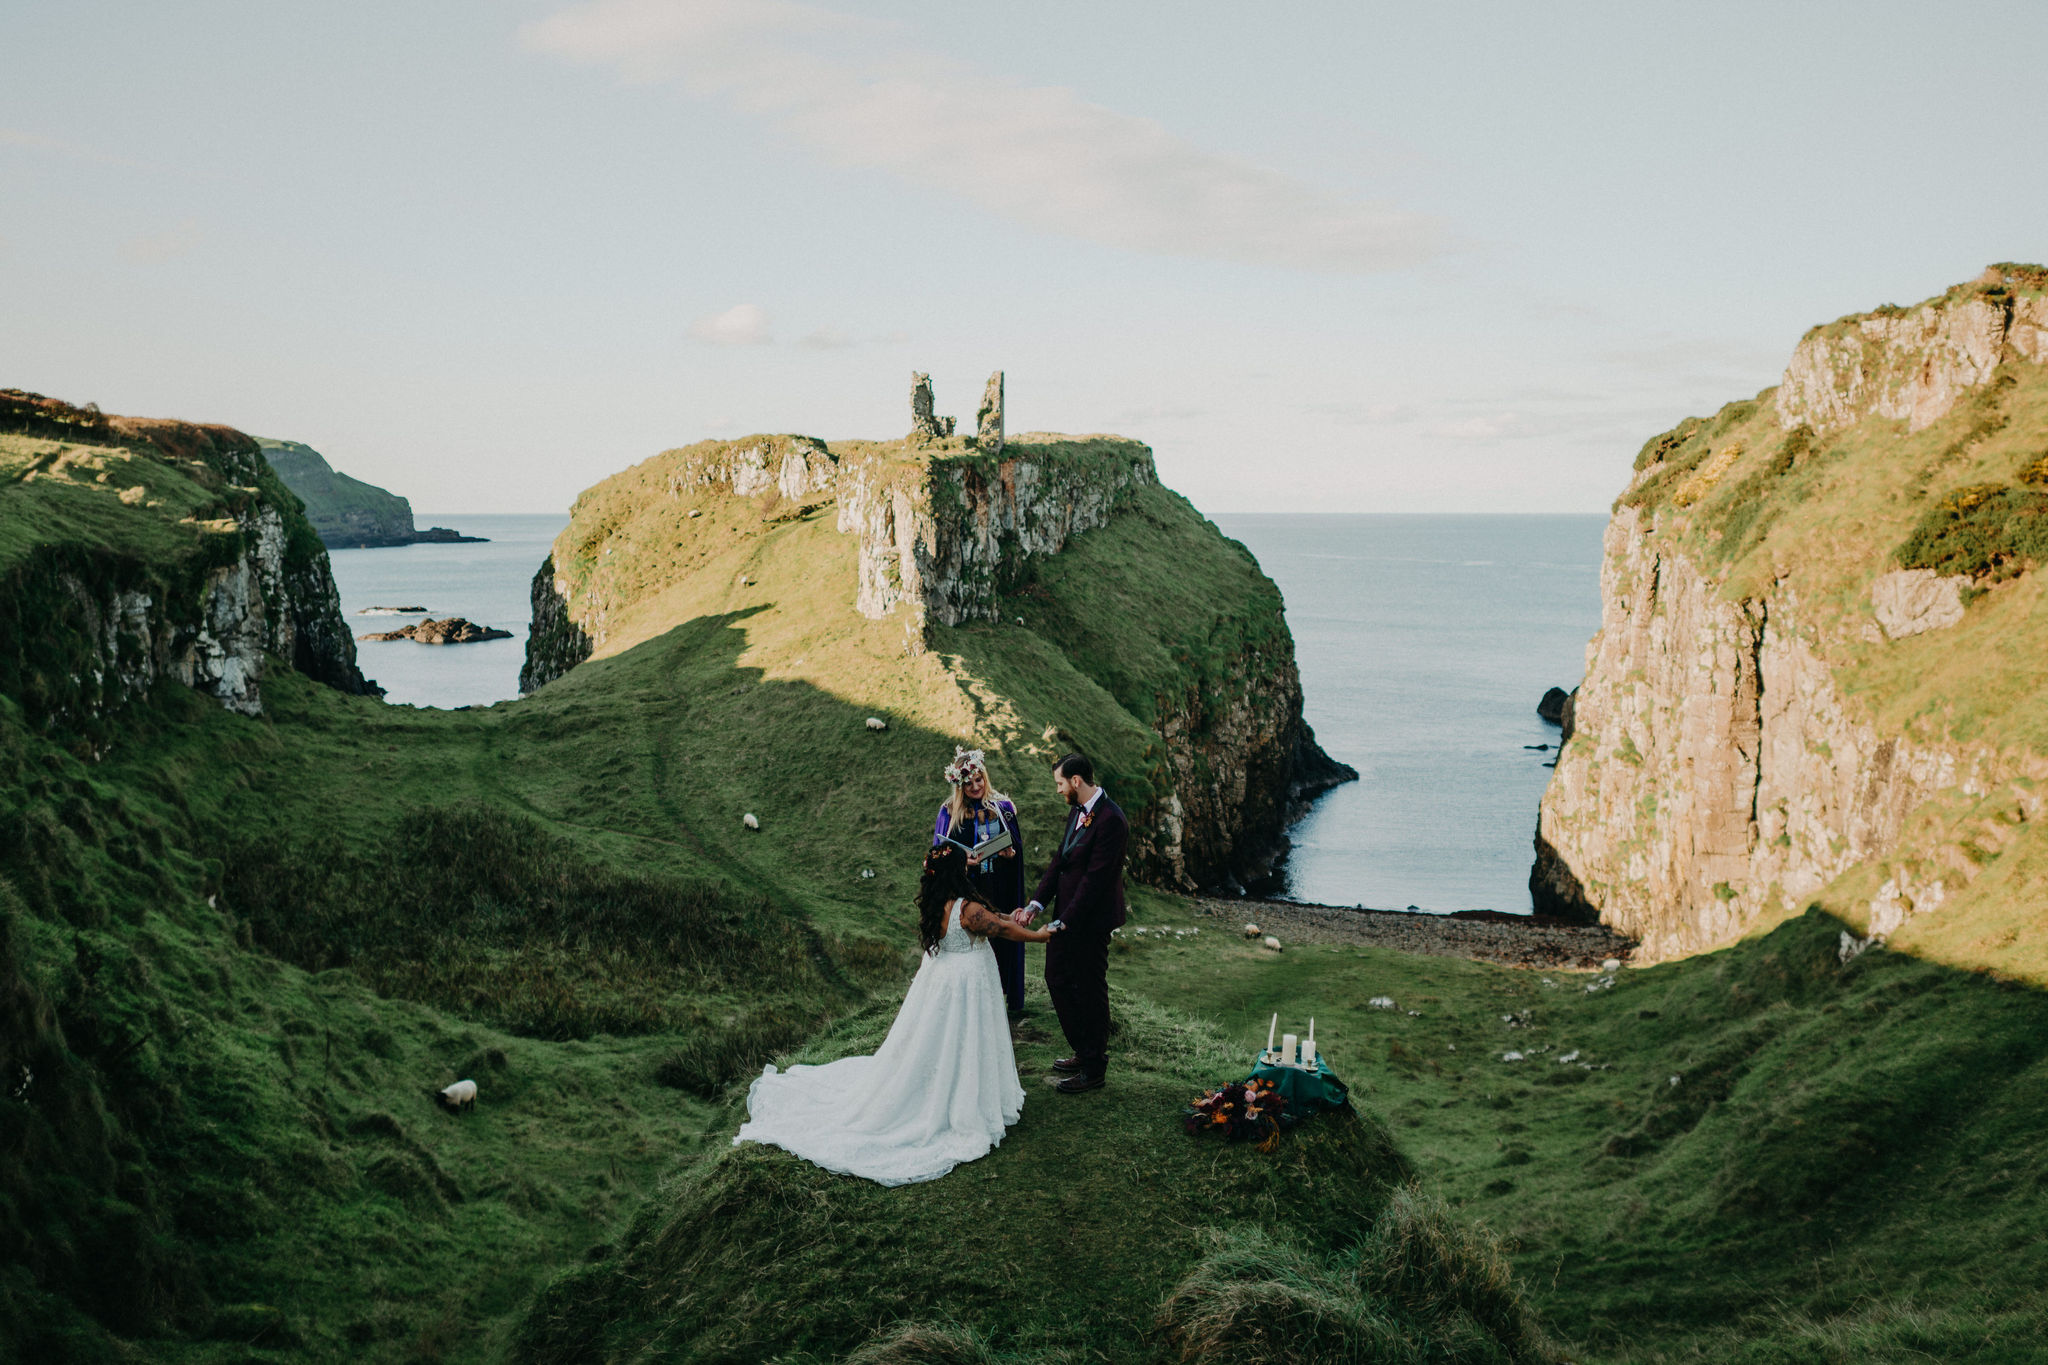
(966, 763)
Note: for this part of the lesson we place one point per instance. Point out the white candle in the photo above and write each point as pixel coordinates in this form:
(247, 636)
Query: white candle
(1308, 1051)
(1269, 1032)
(1287, 1049)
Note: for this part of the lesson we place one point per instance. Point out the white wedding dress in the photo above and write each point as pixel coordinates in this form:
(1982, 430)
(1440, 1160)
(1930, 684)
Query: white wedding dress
(940, 1091)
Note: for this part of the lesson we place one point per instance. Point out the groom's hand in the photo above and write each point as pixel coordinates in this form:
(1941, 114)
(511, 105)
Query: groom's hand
(1028, 913)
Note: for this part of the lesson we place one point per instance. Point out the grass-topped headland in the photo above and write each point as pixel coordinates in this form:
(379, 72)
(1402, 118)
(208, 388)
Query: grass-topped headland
(1823, 666)
(1056, 588)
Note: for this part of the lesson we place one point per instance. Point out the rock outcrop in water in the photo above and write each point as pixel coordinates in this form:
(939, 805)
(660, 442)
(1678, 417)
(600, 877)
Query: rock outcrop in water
(201, 567)
(1748, 737)
(450, 630)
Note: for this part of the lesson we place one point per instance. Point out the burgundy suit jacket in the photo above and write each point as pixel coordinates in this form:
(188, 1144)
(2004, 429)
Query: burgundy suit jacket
(1084, 884)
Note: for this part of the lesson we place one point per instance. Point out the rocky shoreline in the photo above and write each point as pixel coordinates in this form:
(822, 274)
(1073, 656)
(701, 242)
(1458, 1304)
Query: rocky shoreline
(1482, 935)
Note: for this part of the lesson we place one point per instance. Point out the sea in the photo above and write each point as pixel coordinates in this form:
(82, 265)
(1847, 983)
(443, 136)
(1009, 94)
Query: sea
(1424, 644)
(489, 583)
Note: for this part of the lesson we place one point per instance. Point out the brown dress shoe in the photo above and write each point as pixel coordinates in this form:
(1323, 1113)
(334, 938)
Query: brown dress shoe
(1078, 1083)
(1066, 1064)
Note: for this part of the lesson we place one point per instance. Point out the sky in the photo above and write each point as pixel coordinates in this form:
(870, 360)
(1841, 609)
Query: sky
(1322, 257)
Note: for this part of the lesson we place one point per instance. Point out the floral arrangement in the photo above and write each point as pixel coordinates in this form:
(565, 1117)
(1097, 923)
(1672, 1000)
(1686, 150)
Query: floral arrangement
(1242, 1109)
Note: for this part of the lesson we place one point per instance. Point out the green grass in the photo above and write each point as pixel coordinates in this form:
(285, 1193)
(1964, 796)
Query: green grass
(1851, 1166)
(1098, 1226)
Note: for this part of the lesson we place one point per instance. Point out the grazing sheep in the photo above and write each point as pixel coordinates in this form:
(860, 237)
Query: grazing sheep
(750, 820)
(458, 1097)
(1251, 931)
(1273, 943)
(877, 723)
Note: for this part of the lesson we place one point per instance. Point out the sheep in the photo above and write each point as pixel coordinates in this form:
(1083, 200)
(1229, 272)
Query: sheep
(1273, 943)
(751, 820)
(877, 723)
(1251, 931)
(458, 1097)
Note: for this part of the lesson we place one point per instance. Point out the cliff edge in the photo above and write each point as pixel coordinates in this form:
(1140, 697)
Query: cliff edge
(134, 549)
(1818, 673)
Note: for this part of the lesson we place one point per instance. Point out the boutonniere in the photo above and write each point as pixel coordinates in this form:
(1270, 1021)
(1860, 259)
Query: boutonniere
(1087, 819)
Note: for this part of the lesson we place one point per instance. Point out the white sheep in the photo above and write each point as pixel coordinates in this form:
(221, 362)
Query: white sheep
(459, 1096)
(1251, 931)
(751, 820)
(1272, 943)
(877, 723)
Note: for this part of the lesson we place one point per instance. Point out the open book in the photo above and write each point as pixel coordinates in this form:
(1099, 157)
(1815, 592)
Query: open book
(987, 848)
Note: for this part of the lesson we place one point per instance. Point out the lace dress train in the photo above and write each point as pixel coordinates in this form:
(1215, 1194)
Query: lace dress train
(941, 1090)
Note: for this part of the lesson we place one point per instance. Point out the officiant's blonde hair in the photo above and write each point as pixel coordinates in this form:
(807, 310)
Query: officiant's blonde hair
(972, 761)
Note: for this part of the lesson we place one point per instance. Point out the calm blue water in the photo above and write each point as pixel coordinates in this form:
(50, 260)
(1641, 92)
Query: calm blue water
(489, 584)
(1424, 644)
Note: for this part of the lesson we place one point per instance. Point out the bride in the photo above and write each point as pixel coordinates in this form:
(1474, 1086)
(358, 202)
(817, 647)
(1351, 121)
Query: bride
(943, 1087)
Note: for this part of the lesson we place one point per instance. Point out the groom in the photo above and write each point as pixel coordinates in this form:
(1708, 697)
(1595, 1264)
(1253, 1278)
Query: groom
(1085, 885)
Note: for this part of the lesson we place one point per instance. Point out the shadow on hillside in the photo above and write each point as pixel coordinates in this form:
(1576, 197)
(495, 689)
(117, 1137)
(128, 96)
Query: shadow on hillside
(675, 741)
(1812, 1115)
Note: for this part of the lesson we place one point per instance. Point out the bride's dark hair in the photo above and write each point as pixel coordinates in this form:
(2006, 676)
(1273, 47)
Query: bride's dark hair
(944, 881)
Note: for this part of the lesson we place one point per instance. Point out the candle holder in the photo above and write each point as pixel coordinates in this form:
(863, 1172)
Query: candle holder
(1299, 1053)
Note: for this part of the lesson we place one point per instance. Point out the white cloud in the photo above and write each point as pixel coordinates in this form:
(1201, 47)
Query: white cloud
(156, 248)
(854, 90)
(743, 324)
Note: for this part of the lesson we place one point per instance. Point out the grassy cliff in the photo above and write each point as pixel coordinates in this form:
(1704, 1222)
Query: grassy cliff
(1822, 675)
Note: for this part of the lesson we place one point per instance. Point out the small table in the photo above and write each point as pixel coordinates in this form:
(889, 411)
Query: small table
(1306, 1092)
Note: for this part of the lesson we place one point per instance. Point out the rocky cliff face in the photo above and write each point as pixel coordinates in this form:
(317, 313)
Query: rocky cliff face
(1742, 745)
(940, 539)
(92, 621)
(554, 643)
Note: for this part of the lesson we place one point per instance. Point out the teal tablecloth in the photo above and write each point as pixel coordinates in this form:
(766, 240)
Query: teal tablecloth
(1306, 1092)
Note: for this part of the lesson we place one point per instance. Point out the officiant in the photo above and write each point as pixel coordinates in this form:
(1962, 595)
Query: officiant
(973, 815)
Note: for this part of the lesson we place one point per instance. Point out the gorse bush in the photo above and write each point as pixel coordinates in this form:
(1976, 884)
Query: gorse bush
(489, 915)
(1986, 531)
